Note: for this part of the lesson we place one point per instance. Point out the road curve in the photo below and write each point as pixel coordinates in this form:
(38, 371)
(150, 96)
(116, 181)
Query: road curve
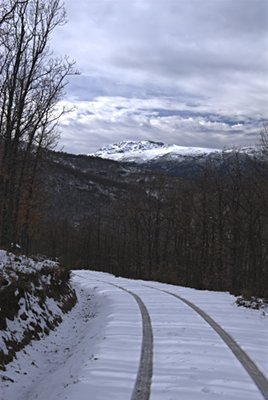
(142, 386)
(256, 375)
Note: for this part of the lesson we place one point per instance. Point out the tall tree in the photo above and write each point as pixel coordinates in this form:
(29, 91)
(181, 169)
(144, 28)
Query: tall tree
(32, 82)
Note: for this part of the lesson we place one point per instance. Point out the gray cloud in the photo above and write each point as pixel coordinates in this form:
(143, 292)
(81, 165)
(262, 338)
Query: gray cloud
(105, 120)
(208, 58)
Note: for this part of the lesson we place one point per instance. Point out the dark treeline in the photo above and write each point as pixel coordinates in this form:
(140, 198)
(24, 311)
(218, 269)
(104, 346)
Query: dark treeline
(209, 233)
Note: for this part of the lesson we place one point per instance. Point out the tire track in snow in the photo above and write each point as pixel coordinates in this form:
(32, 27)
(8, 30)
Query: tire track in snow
(142, 386)
(256, 375)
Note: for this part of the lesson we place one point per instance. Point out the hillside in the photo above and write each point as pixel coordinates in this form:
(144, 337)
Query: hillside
(80, 184)
(200, 221)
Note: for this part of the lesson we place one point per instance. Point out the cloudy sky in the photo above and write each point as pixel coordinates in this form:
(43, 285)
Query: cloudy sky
(186, 72)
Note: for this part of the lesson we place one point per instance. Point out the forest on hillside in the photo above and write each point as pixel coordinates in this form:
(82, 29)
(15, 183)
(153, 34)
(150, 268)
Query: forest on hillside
(209, 232)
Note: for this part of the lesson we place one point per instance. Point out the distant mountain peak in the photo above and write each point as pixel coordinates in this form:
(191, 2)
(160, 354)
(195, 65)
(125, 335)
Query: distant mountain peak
(145, 150)
(130, 145)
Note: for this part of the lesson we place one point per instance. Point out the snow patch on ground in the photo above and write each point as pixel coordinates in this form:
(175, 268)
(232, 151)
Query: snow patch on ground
(22, 263)
(34, 296)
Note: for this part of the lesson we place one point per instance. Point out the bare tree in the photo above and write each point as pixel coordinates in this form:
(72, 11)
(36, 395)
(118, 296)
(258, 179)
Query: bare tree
(264, 140)
(32, 82)
(7, 9)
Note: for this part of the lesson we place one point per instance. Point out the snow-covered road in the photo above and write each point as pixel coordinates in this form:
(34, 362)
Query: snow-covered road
(96, 352)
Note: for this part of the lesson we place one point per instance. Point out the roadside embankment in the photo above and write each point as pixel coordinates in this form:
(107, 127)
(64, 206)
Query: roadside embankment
(34, 295)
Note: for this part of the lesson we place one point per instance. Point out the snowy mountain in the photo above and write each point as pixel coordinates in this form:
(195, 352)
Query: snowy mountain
(172, 159)
(144, 151)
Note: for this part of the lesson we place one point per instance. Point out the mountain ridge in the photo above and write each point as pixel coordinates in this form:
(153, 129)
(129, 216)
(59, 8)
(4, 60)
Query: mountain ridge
(146, 150)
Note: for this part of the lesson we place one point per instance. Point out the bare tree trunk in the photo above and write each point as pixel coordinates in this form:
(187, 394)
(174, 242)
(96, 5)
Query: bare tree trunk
(31, 83)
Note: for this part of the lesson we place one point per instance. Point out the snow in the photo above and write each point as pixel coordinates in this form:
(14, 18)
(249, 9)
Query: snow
(29, 313)
(22, 263)
(95, 352)
(142, 151)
